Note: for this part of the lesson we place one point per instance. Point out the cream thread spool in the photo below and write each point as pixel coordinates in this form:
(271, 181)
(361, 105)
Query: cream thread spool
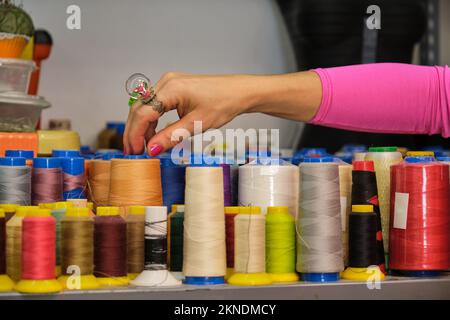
(250, 248)
(383, 158)
(204, 259)
(345, 187)
(269, 183)
(155, 273)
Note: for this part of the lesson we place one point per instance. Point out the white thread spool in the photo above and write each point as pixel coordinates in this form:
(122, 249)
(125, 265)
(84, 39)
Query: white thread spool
(155, 275)
(204, 260)
(345, 187)
(250, 248)
(269, 185)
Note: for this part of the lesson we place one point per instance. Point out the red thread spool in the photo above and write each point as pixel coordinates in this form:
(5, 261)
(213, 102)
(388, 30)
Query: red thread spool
(38, 248)
(424, 243)
(230, 214)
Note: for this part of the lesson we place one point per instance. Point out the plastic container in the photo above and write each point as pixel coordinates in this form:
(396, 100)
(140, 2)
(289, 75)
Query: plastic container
(50, 140)
(15, 74)
(20, 112)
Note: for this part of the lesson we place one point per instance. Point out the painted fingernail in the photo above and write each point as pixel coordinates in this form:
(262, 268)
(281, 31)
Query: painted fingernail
(155, 150)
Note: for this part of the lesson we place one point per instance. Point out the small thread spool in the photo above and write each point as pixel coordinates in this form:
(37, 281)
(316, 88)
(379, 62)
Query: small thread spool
(204, 260)
(234, 182)
(173, 182)
(226, 184)
(110, 247)
(230, 214)
(362, 245)
(74, 178)
(419, 224)
(280, 245)
(267, 184)
(27, 154)
(319, 243)
(58, 210)
(175, 242)
(15, 181)
(47, 180)
(383, 158)
(14, 242)
(77, 250)
(364, 191)
(250, 250)
(155, 271)
(38, 254)
(135, 240)
(6, 284)
(98, 182)
(135, 181)
(9, 209)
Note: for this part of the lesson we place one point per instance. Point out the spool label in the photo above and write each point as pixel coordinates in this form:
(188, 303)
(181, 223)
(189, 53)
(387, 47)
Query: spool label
(401, 210)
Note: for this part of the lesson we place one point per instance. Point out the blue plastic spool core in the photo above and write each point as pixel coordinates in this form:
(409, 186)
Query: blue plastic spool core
(204, 281)
(419, 273)
(73, 166)
(320, 277)
(113, 124)
(353, 148)
(112, 155)
(415, 159)
(309, 151)
(47, 163)
(66, 153)
(318, 160)
(446, 159)
(12, 162)
(27, 154)
(136, 156)
(120, 129)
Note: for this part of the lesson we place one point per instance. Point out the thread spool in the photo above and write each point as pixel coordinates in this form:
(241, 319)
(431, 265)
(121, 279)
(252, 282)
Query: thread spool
(74, 178)
(384, 158)
(445, 160)
(77, 250)
(155, 271)
(15, 181)
(176, 239)
(58, 210)
(98, 182)
(135, 240)
(250, 250)
(271, 183)
(135, 182)
(363, 245)
(38, 254)
(110, 247)
(14, 242)
(230, 214)
(364, 191)
(226, 184)
(345, 189)
(280, 245)
(66, 153)
(204, 260)
(419, 237)
(47, 180)
(9, 209)
(6, 284)
(173, 182)
(234, 178)
(27, 154)
(308, 152)
(319, 243)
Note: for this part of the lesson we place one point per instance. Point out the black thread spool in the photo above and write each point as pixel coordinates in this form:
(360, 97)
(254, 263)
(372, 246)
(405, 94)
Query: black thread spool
(362, 236)
(364, 191)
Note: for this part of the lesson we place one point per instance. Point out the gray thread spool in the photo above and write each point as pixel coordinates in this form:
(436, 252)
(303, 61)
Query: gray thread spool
(319, 230)
(15, 185)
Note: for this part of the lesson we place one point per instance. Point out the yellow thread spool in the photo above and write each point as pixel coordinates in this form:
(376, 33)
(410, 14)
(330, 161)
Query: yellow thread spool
(135, 242)
(249, 263)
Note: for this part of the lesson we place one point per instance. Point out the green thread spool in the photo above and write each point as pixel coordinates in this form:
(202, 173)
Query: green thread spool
(176, 239)
(58, 212)
(280, 245)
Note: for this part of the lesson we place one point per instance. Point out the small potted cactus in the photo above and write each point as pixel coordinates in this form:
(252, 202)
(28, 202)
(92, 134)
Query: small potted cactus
(16, 29)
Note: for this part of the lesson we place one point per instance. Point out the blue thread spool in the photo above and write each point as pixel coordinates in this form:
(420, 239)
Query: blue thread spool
(75, 167)
(173, 182)
(66, 153)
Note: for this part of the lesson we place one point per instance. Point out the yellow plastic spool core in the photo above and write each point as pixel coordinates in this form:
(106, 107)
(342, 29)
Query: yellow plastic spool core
(62, 205)
(23, 211)
(362, 274)
(136, 210)
(250, 279)
(420, 154)
(6, 284)
(38, 286)
(82, 282)
(281, 215)
(116, 281)
(46, 205)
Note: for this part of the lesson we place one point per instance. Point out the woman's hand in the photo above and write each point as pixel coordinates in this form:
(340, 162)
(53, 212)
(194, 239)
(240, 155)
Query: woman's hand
(216, 100)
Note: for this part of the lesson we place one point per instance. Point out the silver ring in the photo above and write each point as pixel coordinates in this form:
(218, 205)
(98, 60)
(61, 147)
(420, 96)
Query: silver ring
(153, 102)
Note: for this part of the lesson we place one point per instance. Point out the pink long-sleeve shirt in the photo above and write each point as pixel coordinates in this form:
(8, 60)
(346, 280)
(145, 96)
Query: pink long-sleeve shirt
(386, 98)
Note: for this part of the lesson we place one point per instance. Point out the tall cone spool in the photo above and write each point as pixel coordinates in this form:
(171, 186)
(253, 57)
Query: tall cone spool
(269, 183)
(383, 158)
(204, 259)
